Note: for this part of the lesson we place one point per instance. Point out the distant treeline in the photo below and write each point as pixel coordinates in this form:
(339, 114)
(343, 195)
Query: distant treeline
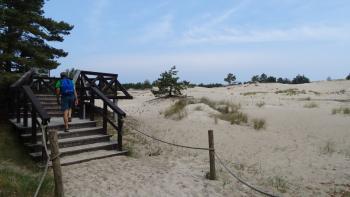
(263, 78)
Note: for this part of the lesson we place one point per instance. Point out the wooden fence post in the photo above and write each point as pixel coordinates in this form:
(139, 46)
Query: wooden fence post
(212, 174)
(104, 120)
(56, 165)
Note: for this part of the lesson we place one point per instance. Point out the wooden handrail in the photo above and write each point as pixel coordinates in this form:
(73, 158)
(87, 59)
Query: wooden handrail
(98, 73)
(115, 108)
(23, 78)
(36, 104)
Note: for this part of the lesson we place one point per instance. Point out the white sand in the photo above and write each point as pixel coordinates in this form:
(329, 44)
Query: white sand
(289, 157)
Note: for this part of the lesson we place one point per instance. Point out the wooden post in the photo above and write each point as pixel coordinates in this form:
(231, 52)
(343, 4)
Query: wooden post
(104, 122)
(92, 106)
(212, 174)
(25, 112)
(56, 165)
(18, 106)
(120, 133)
(33, 114)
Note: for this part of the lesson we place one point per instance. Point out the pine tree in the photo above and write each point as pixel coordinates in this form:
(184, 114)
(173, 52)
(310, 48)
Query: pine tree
(24, 36)
(230, 78)
(168, 84)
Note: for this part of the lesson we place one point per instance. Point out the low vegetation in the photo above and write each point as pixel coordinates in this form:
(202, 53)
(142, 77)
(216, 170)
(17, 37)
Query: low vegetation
(341, 110)
(259, 124)
(260, 104)
(210, 85)
(177, 111)
(229, 112)
(138, 86)
(328, 148)
(19, 176)
(252, 93)
(311, 105)
(291, 92)
(315, 92)
(279, 183)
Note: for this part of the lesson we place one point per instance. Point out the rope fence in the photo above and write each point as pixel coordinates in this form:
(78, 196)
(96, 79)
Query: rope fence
(216, 155)
(43, 131)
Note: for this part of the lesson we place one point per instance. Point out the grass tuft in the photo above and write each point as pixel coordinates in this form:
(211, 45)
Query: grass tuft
(291, 92)
(328, 148)
(341, 110)
(198, 108)
(252, 93)
(311, 105)
(177, 111)
(259, 124)
(234, 117)
(279, 183)
(260, 104)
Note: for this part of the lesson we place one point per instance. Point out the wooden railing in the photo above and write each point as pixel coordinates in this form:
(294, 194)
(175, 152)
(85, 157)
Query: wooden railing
(25, 102)
(96, 93)
(106, 87)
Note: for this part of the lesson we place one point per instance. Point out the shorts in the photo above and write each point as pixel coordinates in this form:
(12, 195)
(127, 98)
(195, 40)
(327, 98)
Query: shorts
(67, 102)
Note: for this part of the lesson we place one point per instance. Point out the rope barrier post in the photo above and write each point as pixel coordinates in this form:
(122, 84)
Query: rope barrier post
(212, 174)
(56, 165)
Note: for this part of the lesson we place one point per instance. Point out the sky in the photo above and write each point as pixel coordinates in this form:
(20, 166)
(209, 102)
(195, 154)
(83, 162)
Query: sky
(206, 39)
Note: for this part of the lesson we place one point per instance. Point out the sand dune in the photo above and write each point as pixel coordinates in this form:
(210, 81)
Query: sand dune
(303, 151)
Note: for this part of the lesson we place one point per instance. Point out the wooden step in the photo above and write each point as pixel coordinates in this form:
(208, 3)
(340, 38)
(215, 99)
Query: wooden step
(74, 141)
(43, 99)
(72, 133)
(45, 95)
(79, 149)
(88, 156)
(56, 123)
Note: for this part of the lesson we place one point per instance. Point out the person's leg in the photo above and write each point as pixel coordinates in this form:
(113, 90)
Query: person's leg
(65, 109)
(65, 119)
(70, 115)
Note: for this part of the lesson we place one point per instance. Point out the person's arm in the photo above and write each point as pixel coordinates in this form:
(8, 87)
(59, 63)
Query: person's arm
(76, 97)
(58, 87)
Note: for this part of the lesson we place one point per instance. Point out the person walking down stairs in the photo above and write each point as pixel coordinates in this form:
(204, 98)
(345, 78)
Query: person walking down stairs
(66, 89)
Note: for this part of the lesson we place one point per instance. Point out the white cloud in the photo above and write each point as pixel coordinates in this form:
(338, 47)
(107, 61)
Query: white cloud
(242, 35)
(94, 19)
(158, 30)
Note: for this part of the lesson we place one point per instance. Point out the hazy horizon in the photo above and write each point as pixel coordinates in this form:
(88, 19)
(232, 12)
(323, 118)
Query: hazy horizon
(206, 40)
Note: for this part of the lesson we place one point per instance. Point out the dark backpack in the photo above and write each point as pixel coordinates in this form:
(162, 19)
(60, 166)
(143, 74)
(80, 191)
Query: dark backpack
(67, 87)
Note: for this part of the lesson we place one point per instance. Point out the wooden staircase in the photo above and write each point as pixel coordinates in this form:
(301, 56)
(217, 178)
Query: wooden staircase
(86, 139)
